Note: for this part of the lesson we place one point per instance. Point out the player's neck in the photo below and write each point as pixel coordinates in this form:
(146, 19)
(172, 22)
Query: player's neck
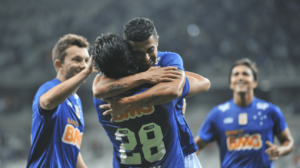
(243, 99)
(61, 77)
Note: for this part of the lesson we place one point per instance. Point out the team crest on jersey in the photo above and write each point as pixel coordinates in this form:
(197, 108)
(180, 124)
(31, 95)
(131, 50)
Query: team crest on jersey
(243, 119)
(245, 142)
(72, 136)
(133, 113)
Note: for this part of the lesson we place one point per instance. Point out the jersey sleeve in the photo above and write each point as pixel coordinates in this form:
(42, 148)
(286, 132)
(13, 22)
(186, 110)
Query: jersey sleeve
(172, 59)
(186, 88)
(185, 91)
(278, 118)
(208, 130)
(37, 110)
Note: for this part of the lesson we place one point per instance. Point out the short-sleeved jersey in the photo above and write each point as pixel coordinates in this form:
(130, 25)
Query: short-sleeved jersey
(144, 137)
(56, 134)
(242, 132)
(188, 144)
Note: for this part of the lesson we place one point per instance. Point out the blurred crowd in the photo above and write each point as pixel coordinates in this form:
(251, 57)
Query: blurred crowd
(209, 35)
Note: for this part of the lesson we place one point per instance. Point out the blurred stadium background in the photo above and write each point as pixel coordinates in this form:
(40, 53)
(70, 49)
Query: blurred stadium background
(209, 35)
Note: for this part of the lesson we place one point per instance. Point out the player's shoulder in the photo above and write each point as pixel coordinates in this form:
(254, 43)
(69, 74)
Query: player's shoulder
(260, 104)
(223, 107)
(263, 105)
(167, 54)
(48, 85)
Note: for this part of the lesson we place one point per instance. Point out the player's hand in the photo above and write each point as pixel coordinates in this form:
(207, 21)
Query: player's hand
(272, 151)
(157, 74)
(90, 66)
(183, 107)
(114, 107)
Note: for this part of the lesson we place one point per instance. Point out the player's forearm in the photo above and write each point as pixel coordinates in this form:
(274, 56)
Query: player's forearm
(61, 92)
(149, 99)
(104, 87)
(286, 147)
(158, 94)
(198, 83)
(200, 143)
(80, 163)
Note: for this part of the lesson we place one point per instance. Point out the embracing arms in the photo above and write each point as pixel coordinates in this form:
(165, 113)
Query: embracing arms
(104, 87)
(198, 83)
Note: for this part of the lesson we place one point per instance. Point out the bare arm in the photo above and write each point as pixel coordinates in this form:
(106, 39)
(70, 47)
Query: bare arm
(200, 143)
(287, 145)
(159, 94)
(80, 163)
(104, 87)
(198, 83)
(61, 92)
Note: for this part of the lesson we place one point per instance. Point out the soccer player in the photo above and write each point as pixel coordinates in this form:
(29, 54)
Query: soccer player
(57, 119)
(143, 40)
(244, 126)
(146, 135)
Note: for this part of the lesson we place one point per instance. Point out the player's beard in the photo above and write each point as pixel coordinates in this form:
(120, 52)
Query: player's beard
(143, 67)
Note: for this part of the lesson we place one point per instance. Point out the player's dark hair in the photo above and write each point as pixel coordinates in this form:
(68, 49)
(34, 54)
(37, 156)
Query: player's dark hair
(112, 57)
(139, 29)
(247, 62)
(68, 40)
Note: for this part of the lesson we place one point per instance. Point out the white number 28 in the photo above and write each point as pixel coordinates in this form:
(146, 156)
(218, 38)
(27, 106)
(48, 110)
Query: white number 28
(150, 137)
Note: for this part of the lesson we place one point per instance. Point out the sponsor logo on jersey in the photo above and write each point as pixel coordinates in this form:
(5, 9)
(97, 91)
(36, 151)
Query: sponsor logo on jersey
(224, 107)
(69, 104)
(157, 60)
(72, 136)
(228, 120)
(262, 106)
(77, 111)
(245, 142)
(133, 113)
(73, 122)
(156, 167)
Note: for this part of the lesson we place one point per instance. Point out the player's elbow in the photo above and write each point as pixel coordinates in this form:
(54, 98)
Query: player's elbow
(45, 103)
(173, 92)
(99, 93)
(207, 84)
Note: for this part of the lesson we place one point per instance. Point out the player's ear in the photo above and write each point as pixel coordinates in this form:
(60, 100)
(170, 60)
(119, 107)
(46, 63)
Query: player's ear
(254, 84)
(57, 64)
(157, 40)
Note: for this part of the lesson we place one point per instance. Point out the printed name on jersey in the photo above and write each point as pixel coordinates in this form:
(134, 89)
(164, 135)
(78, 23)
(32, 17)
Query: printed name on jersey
(224, 107)
(133, 113)
(245, 142)
(72, 136)
(262, 106)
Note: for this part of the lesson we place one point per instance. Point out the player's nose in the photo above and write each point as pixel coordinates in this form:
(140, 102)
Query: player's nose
(83, 64)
